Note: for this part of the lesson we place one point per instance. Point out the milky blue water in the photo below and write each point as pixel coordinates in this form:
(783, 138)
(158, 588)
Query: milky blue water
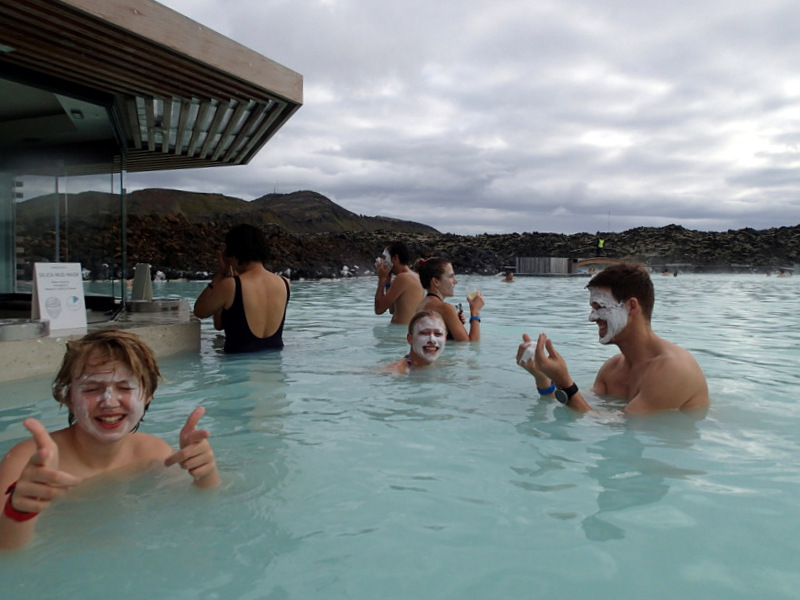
(456, 481)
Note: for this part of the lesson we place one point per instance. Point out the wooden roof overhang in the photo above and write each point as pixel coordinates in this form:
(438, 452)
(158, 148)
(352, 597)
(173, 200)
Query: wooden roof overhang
(179, 95)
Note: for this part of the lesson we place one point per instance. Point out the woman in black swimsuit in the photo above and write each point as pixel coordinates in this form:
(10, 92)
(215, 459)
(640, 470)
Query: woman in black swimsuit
(246, 300)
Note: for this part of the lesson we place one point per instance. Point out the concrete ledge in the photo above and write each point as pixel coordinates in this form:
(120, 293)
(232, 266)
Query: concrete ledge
(42, 356)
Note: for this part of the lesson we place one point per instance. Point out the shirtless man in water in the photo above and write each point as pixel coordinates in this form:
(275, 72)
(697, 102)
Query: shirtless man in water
(399, 290)
(650, 373)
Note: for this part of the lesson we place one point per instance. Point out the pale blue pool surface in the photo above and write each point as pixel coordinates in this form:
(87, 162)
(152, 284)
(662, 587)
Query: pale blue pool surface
(454, 482)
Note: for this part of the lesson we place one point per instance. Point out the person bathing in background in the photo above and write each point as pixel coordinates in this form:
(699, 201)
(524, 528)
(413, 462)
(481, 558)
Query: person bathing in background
(439, 280)
(246, 300)
(426, 337)
(399, 290)
(107, 381)
(650, 373)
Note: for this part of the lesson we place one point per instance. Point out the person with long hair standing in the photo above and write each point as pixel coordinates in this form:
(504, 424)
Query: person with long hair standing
(439, 280)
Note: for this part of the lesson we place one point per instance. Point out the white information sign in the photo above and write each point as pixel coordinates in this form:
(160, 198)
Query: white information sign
(58, 297)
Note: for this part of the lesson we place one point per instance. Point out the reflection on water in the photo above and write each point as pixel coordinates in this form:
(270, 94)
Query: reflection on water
(627, 478)
(615, 459)
(454, 481)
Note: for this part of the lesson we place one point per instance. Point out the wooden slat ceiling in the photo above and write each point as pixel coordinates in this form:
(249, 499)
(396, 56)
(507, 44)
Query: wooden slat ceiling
(173, 108)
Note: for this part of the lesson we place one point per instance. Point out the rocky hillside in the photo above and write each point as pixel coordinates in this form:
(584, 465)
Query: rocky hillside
(312, 237)
(298, 212)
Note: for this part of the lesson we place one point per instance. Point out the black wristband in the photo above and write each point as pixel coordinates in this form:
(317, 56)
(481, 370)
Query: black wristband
(566, 394)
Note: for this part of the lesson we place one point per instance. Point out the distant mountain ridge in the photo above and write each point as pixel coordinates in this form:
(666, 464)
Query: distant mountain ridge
(310, 236)
(297, 212)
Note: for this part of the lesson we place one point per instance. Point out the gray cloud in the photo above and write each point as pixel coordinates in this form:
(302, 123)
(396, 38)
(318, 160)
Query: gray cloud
(519, 116)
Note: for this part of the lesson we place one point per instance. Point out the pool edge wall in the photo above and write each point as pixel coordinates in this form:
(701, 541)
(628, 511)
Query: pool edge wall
(22, 359)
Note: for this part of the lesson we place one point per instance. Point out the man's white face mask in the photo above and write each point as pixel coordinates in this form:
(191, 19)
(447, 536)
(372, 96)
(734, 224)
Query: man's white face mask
(609, 310)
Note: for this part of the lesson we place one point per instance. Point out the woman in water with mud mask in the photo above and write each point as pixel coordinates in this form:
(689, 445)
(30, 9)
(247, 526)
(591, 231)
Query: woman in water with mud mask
(426, 337)
(106, 381)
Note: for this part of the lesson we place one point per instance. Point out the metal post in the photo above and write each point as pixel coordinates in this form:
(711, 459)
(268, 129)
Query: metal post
(57, 251)
(124, 235)
(66, 220)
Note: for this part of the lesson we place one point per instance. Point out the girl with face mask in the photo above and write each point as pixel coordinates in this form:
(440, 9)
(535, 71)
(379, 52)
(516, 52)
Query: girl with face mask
(426, 337)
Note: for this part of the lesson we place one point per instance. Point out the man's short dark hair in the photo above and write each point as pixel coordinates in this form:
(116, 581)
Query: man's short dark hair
(627, 280)
(400, 250)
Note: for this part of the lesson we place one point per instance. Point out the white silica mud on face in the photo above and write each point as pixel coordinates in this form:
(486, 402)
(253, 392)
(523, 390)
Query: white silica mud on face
(107, 401)
(609, 310)
(428, 339)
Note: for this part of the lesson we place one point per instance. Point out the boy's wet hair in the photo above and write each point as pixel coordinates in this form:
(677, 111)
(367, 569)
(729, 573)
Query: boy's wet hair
(107, 345)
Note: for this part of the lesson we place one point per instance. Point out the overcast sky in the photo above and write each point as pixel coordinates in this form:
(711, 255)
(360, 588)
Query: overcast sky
(527, 115)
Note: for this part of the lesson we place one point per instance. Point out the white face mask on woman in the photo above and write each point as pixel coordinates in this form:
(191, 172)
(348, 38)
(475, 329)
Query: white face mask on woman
(428, 339)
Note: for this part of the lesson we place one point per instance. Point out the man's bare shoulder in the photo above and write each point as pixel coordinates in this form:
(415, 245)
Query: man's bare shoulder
(676, 358)
(613, 362)
(612, 365)
(682, 363)
(409, 278)
(673, 380)
(613, 377)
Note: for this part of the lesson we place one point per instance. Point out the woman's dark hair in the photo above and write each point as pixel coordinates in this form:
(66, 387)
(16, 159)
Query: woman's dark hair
(428, 268)
(246, 243)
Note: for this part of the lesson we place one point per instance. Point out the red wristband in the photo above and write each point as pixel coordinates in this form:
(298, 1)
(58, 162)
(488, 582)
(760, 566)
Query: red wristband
(11, 512)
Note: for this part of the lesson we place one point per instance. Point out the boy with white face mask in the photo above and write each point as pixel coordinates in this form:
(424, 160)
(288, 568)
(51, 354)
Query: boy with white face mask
(650, 373)
(426, 337)
(106, 381)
